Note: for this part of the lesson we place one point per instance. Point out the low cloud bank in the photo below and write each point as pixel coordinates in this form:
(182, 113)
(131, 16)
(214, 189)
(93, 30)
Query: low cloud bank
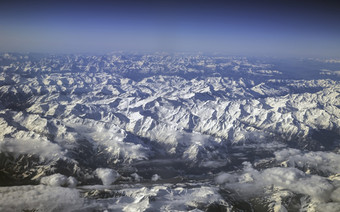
(39, 198)
(328, 162)
(41, 147)
(251, 182)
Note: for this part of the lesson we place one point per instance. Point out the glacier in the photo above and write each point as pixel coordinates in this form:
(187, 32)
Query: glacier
(165, 132)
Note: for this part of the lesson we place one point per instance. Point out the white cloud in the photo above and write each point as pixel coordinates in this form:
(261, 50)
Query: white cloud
(324, 161)
(329, 207)
(40, 147)
(59, 180)
(213, 163)
(40, 198)
(329, 72)
(335, 196)
(324, 192)
(226, 178)
(297, 181)
(136, 177)
(111, 137)
(251, 182)
(155, 177)
(108, 176)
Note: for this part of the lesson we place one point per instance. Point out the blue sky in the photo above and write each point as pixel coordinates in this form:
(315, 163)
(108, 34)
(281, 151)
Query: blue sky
(302, 28)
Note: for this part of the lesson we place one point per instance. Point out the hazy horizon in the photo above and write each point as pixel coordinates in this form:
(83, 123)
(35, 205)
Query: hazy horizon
(279, 28)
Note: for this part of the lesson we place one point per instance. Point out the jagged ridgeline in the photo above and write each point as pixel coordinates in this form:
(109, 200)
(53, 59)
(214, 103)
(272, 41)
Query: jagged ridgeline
(253, 133)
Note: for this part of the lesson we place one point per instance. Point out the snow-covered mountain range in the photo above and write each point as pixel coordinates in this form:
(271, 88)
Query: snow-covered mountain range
(245, 131)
